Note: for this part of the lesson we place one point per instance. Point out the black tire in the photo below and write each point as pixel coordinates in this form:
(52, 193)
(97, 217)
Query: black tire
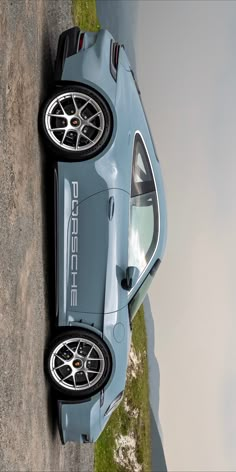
(72, 155)
(90, 337)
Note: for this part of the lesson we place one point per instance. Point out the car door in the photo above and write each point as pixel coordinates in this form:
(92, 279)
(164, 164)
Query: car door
(92, 252)
(102, 254)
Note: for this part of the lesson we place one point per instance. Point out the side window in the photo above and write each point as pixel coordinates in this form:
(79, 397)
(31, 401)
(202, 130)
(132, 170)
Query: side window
(143, 227)
(142, 181)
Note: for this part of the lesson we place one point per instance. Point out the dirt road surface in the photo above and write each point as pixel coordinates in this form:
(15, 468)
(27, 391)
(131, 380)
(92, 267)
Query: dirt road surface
(28, 430)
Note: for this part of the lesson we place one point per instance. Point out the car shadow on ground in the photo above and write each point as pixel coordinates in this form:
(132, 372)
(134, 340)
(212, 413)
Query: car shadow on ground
(47, 203)
(56, 19)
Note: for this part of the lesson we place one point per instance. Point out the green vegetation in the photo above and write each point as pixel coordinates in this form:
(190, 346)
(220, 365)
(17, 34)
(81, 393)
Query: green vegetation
(113, 451)
(84, 14)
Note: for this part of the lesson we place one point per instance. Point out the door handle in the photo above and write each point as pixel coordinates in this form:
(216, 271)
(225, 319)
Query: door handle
(111, 208)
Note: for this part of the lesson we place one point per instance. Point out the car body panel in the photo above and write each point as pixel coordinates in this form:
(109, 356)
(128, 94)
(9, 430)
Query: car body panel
(92, 259)
(80, 419)
(93, 63)
(92, 200)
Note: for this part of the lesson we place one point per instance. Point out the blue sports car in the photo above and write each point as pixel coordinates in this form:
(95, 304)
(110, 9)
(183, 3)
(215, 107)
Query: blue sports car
(110, 225)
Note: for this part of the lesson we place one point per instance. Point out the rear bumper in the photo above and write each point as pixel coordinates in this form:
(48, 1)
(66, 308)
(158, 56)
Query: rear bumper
(67, 46)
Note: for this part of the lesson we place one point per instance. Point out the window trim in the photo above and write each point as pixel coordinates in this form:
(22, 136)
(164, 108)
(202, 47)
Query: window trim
(145, 186)
(151, 274)
(134, 289)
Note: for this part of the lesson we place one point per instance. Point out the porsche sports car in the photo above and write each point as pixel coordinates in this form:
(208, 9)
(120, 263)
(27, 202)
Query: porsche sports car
(110, 225)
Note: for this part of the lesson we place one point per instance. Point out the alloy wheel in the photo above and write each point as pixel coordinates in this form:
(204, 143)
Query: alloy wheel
(77, 364)
(75, 121)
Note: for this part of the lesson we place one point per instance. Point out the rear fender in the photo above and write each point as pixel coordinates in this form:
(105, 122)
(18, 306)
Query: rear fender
(92, 67)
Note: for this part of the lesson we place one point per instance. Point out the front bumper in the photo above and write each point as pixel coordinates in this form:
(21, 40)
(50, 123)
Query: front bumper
(79, 422)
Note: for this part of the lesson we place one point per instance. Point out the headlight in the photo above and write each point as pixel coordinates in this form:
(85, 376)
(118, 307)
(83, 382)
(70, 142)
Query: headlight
(114, 404)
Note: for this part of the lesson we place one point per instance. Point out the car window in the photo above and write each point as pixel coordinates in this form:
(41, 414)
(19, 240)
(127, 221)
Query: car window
(142, 229)
(143, 226)
(142, 180)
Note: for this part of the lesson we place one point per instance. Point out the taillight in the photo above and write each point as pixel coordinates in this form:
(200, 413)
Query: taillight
(81, 41)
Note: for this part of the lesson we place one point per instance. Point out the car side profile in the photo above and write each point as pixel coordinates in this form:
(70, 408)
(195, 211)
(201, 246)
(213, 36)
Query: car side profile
(110, 225)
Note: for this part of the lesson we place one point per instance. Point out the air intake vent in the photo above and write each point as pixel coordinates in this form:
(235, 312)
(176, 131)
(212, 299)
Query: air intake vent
(114, 58)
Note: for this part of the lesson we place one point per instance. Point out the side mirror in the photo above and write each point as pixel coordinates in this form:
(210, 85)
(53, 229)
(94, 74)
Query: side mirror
(130, 278)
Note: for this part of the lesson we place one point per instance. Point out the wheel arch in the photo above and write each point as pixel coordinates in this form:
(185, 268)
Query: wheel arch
(65, 336)
(108, 340)
(64, 85)
(94, 88)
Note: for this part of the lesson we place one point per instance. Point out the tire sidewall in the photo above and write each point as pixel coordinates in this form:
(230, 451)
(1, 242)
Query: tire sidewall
(107, 361)
(83, 155)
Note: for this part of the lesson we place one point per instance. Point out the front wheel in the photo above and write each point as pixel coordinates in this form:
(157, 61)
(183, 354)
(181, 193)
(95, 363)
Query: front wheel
(76, 123)
(78, 363)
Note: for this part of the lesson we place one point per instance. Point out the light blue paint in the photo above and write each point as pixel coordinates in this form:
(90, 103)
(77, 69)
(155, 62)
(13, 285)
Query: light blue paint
(101, 303)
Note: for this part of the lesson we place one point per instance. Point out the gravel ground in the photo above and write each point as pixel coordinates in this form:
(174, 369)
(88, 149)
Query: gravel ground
(28, 430)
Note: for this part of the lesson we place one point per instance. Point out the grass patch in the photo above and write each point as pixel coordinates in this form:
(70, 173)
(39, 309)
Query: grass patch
(132, 417)
(85, 15)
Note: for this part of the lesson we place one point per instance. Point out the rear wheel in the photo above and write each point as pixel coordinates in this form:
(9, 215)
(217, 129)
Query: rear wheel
(78, 363)
(76, 122)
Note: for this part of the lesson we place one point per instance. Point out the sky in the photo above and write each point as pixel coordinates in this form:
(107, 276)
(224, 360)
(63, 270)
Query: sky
(186, 69)
(184, 53)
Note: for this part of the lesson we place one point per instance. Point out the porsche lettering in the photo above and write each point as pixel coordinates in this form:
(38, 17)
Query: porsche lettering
(74, 244)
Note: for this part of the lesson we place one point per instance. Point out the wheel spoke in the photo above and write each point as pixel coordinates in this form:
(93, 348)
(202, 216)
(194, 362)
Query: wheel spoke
(74, 381)
(93, 126)
(84, 106)
(66, 345)
(93, 116)
(59, 357)
(74, 103)
(57, 129)
(92, 371)
(85, 136)
(67, 377)
(96, 359)
(90, 351)
(76, 146)
(56, 115)
(61, 106)
(59, 366)
(64, 137)
(87, 378)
